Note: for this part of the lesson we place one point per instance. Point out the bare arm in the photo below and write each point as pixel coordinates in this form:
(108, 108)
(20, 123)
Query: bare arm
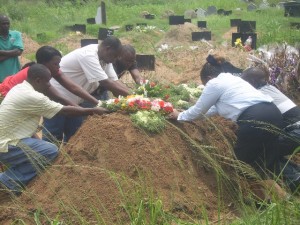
(79, 111)
(116, 87)
(75, 88)
(11, 53)
(135, 74)
(54, 95)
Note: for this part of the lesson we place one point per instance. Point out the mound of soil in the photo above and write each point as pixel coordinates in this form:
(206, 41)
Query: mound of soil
(109, 166)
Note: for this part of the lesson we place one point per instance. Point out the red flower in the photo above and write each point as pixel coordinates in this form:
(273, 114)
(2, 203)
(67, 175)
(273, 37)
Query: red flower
(152, 84)
(116, 100)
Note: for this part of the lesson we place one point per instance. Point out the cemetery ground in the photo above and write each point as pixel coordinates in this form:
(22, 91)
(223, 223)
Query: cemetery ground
(112, 172)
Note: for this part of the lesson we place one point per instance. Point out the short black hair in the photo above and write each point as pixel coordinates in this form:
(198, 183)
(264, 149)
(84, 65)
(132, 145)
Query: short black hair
(128, 49)
(45, 53)
(37, 71)
(112, 42)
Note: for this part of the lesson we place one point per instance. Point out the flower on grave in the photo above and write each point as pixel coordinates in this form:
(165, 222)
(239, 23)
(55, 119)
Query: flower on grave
(238, 43)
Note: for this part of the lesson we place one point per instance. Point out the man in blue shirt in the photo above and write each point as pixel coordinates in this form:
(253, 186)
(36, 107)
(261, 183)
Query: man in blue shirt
(11, 47)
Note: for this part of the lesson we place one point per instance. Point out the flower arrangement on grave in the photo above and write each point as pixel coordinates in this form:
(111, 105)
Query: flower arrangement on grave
(246, 46)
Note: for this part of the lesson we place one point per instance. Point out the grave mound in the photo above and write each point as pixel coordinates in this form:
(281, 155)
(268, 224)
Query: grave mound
(109, 165)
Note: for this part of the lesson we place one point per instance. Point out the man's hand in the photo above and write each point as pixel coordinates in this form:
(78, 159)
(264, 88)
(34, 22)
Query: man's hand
(100, 110)
(173, 115)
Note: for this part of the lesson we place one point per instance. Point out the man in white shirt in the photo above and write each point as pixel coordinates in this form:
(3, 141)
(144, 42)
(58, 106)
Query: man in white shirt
(88, 67)
(20, 113)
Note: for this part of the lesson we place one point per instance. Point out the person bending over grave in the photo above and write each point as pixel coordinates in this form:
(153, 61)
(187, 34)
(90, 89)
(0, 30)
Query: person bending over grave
(11, 47)
(22, 155)
(50, 57)
(287, 143)
(125, 62)
(235, 99)
(88, 67)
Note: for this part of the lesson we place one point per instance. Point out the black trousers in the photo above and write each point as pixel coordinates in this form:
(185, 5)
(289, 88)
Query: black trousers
(258, 129)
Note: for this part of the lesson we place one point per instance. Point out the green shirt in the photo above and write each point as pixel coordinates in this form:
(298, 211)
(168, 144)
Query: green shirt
(12, 65)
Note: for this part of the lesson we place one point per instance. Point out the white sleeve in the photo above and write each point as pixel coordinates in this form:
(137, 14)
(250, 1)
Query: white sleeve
(92, 68)
(208, 98)
(111, 73)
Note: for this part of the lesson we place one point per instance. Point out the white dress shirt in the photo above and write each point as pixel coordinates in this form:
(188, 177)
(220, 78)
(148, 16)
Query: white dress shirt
(227, 96)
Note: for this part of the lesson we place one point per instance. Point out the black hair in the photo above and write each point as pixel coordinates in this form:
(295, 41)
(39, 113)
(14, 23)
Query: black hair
(257, 76)
(37, 71)
(128, 48)
(28, 64)
(46, 53)
(112, 42)
(215, 65)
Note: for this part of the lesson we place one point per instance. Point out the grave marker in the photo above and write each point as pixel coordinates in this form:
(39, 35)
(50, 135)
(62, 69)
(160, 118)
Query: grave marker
(235, 22)
(85, 42)
(150, 16)
(292, 9)
(129, 27)
(104, 33)
(244, 37)
(251, 7)
(145, 62)
(201, 13)
(91, 20)
(190, 14)
(175, 20)
(101, 14)
(79, 27)
(197, 36)
(201, 24)
(246, 27)
(211, 10)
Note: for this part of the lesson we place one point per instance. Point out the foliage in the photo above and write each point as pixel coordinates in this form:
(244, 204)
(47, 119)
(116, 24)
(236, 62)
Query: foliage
(149, 121)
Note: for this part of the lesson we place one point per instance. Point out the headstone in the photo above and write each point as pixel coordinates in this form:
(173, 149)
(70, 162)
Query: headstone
(246, 27)
(251, 7)
(235, 22)
(264, 5)
(201, 24)
(101, 14)
(295, 25)
(201, 13)
(211, 10)
(104, 33)
(280, 5)
(198, 36)
(292, 9)
(145, 62)
(141, 24)
(244, 37)
(220, 11)
(175, 20)
(187, 20)
(85, 42)
(150, 16)
(80, 27)
(129, 27)
(227, 12)
(190, 14)
(91, 20)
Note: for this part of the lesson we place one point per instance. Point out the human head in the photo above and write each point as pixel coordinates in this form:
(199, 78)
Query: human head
(109, 49)
(4, 25)
(49, 57)
(127, 57)
(214, 66)
(39, 76)
(256, 76)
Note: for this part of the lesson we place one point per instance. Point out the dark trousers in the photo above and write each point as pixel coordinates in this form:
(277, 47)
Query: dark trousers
(257, 134)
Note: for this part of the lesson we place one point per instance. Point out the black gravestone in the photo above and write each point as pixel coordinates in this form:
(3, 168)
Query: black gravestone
(197, 36)
(79, 27)
(295, 25)
(145, 62)
(246, 27)
(103, 12)
(227, 12)
(292, 9)
(244, 37)
(91, 20)
(234, 22)
(128, 27)
(175, 20)
(201, 24)
(141, 24)
(85, 42)
(187, 20)
(150, 16)
(104, 33)
(220, 11)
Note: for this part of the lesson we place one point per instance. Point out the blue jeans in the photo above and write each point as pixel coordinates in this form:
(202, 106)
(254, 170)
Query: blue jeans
(60, 128)
(24, 161)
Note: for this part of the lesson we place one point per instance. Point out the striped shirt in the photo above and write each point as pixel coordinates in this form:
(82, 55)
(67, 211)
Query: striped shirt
(20, 113)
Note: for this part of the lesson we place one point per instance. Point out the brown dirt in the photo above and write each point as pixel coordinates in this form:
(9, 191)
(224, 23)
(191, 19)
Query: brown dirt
(107, 153)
